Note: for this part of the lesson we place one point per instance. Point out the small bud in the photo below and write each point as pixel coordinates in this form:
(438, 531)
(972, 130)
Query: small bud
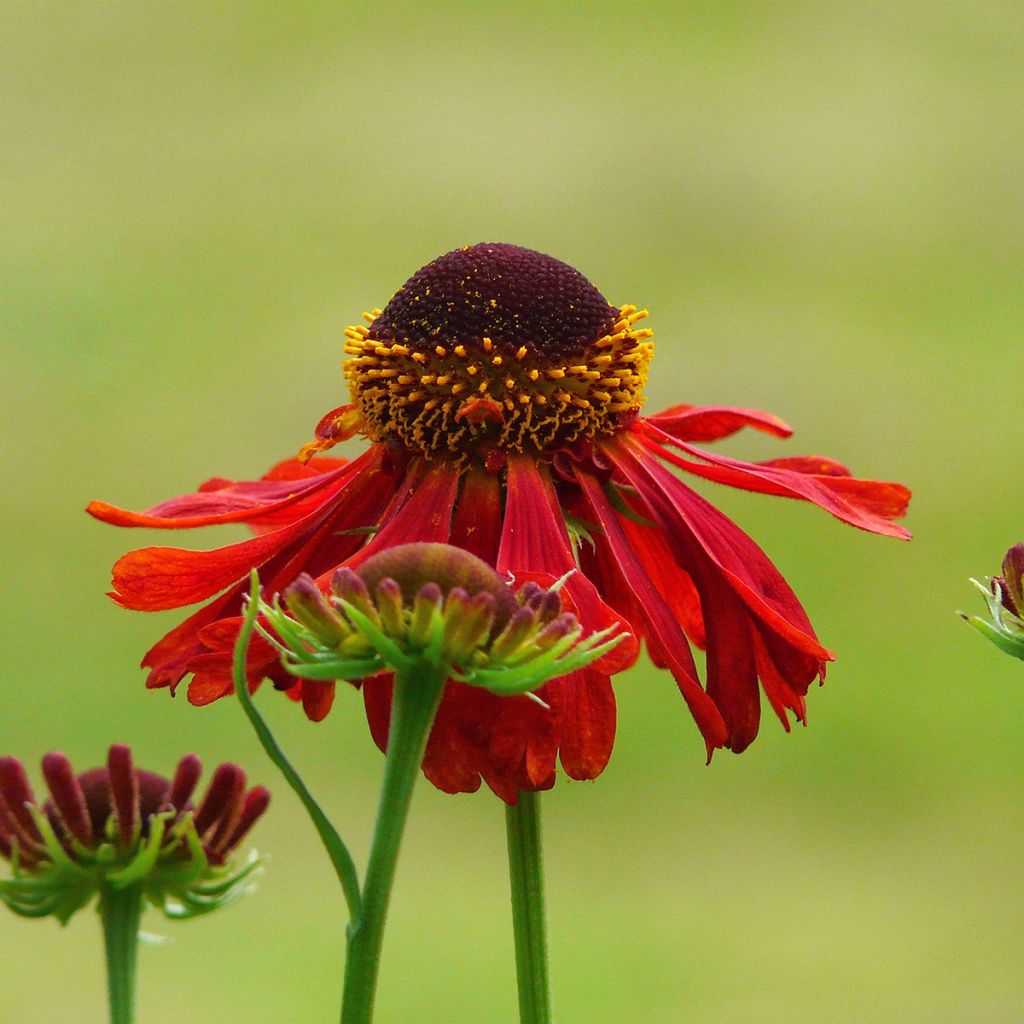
(350, 588)
(388, 595)
(307, 603)
(426, 609)
(468, 623)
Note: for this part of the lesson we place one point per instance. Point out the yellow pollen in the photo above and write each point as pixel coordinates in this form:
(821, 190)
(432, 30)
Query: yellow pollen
(468, 398)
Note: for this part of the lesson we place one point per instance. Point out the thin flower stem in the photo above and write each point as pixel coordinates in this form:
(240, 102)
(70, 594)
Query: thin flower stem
(526, 875)
(121, 911)
(416, 696)
(344, 866)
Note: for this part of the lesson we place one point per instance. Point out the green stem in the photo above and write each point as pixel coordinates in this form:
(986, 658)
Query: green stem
(526, 875)
(344, 866)
(121, 911)
(416, 696)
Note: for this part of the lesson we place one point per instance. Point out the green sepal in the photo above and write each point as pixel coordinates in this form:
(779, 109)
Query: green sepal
(614, 494)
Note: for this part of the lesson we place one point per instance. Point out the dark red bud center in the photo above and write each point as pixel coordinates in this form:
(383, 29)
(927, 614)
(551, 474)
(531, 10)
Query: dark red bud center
(412, 566)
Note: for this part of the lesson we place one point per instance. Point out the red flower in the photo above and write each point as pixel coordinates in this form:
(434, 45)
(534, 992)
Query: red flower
(501, 394)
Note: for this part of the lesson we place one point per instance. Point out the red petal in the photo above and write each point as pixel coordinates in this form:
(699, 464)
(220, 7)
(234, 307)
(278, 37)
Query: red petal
(477, 525)
(712, 422)
(815, 465)
(251, 501)
(585, 703)
(455, 751)
(317, 698)
(523, 747)
(659, 621)
(674, 584)
(422, 513)
(359, 504)
(686, 517)
(867, 504)
(535, 546)
(780, 694)
(377, 702)
(731, 671)
(296, 469)
(152, 579)
(168, 657)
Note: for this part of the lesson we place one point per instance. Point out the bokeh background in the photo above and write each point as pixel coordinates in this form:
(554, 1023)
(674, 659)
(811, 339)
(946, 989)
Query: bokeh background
(822, 206)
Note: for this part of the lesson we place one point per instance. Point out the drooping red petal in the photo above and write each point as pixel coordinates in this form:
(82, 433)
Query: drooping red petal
(731, 670)
(157, 578)
(658, 621)
(213, 666)
(168, 657)
(585, 704)
(152, 579)
(296, 469)
(713, 422)
(781, 695)
(673, 583)
(815, 465)
(456, 749)
(355, 508)
(255, 501)
(535, 546)
(317, 699)
(686, 518)
(867, 504)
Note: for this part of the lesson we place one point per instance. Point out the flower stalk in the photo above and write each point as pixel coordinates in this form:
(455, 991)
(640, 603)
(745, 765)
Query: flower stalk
(337, 851)
(526, 878)
(121, 911)
(416, 696)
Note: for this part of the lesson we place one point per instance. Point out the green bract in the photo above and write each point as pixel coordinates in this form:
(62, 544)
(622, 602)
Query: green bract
(1004, 628)
(437, 605)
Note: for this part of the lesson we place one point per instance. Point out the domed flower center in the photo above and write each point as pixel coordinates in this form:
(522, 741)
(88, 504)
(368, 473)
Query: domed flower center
(496, 346)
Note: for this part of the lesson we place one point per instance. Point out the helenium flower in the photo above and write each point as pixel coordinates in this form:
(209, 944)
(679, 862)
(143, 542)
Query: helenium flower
(500, 396)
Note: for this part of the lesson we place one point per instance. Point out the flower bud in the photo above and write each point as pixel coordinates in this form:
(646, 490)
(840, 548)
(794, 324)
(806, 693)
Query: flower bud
(1004, 596)
(119, 826)
(435, 604)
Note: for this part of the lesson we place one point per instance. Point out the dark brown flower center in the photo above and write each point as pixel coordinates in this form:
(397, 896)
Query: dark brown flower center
(516, 297)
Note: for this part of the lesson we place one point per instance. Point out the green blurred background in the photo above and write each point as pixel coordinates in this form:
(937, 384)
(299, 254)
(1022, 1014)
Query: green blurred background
(822, 207)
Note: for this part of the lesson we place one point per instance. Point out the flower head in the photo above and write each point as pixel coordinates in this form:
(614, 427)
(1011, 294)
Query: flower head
(492, 349)
(122, 827)
(1004, 596)
(501, 393)
(435, 604)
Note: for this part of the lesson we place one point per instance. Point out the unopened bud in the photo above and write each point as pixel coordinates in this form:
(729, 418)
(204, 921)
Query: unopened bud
(307, 603)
